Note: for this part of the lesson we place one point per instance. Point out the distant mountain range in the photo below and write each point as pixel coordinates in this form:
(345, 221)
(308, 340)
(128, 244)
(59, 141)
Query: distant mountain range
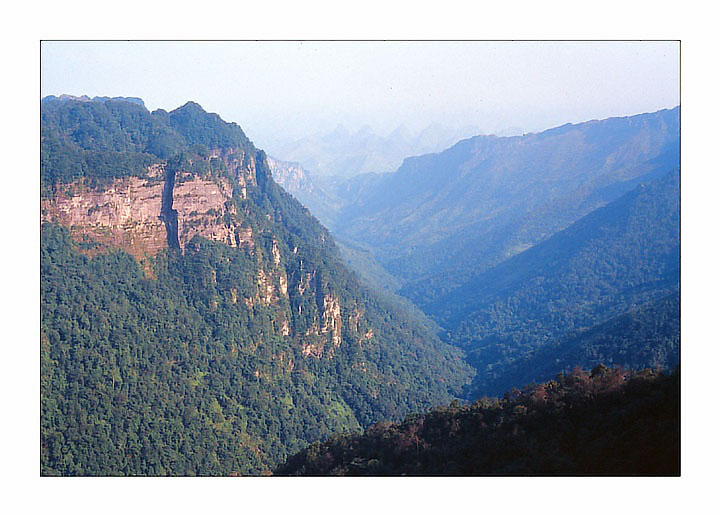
(344, 154)
(487, 198)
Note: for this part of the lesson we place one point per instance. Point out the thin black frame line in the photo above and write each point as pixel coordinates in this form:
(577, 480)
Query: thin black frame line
(363, 40)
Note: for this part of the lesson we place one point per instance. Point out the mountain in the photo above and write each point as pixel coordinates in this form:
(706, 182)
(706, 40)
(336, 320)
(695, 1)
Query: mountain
(195, 318)
(324, 205)
(604, 422)
(612, 261)
(442, 218)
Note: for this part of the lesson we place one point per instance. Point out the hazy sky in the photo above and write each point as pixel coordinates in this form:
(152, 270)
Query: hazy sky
(296, 88)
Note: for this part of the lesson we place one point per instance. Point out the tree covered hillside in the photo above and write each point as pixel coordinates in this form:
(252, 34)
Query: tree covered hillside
(442, 218)
(221, 359)
(106, 139)
(604, 422)
(647, 336)
(614, 260)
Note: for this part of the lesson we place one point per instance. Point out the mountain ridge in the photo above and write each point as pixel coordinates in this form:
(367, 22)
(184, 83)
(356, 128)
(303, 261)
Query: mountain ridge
(441, 204)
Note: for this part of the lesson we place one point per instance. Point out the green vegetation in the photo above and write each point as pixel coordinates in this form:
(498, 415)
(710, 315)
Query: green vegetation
(607, 422)
(102, 140)
(648, 336)
(189, 373)
(169, 376)
(361, 262)
(613, 261)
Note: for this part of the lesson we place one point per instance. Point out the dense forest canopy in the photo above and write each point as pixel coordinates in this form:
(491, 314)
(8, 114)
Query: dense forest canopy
(600, 422)
(611, 262)
(181, 372)
(106, 139)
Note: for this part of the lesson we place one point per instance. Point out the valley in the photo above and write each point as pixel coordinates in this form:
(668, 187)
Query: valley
(511, 244)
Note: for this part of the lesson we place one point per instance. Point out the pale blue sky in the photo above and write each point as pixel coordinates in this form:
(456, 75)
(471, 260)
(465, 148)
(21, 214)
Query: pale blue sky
(294, 88)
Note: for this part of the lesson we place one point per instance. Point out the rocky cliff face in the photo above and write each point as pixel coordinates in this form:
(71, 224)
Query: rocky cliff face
(126, 215)
(134, 214)
(332, 320)
(167, 209)
(243, 354)
(201, 206)
(291, 176)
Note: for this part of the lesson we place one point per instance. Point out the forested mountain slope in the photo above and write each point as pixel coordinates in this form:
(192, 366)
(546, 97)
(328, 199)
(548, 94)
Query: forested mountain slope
(647, 336)
(195, 319)
(442, 218)
(604, 422)
(611, 261)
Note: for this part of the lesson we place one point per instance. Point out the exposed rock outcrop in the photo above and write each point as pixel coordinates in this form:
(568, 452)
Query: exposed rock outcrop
(332, 321)
(201, 206)
(126, 215)
(166, 209)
